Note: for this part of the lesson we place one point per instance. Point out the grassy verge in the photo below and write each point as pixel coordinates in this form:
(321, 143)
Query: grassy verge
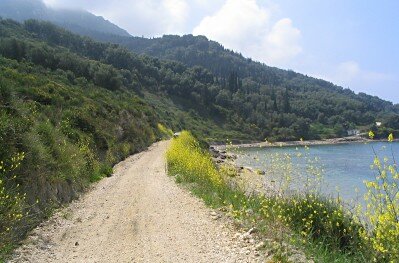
(319, 227)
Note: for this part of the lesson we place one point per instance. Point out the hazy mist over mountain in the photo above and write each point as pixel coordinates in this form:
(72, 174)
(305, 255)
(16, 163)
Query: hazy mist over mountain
(79, 21)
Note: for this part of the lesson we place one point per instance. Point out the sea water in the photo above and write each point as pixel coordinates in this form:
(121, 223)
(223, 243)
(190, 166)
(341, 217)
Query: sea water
(345, 166)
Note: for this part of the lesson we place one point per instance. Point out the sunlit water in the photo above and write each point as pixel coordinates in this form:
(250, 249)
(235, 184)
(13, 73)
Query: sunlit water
(346, 166)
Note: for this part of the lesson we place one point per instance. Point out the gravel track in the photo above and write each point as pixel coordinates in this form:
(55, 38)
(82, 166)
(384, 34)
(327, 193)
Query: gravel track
(138, 215)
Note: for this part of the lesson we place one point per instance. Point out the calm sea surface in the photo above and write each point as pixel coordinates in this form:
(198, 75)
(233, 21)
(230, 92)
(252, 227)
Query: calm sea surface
(346, 166)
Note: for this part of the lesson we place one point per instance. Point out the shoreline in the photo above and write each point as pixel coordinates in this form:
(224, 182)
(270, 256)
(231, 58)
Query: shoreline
(334, 141)
(246, 178)
(253, 179)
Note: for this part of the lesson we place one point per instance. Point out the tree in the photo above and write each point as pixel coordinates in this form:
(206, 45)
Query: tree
(274, 99)
(13, 48)
(234, 82)
(286, 102)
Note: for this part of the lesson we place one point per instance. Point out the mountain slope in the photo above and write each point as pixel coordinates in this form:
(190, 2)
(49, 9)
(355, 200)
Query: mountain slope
(78, 21)
(277, 104)
(259, 101)
(199, 51)
(261, 90)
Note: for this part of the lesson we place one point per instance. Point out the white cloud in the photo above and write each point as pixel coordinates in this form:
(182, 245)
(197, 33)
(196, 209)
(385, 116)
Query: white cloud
(50, 2)
(245, 26)
(139, 17)
(233, 23)
(282, 42)
(350, 73)
(347, 71)
(208, 4)
(148, 17)
(177, 13)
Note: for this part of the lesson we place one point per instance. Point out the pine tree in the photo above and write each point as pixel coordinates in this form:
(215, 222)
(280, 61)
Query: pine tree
(287, 106)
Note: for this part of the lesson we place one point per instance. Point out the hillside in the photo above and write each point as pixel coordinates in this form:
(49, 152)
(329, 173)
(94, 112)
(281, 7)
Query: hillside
(269, 97)
(78, 21)
(287, 107)
(260, 101)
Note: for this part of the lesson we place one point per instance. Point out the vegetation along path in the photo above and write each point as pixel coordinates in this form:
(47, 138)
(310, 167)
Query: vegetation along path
(138, 215)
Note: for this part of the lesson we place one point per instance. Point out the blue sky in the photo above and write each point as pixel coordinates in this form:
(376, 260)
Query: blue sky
(352, 43)
(363, 35)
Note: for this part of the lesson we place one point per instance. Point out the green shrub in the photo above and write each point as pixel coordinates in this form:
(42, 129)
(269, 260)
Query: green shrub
(189, 162)
(165, 132)
(12, 203)
(381, 212)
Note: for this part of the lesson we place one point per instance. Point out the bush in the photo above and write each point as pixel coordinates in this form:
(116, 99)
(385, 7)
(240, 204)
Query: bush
(188, 162)
(381, 215)
(165, 132)
(12, 203)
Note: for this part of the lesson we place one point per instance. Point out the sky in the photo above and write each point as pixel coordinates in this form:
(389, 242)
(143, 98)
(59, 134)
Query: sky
(354, 44)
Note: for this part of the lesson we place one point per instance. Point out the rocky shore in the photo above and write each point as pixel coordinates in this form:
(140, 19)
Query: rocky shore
(344, 140)
(221, 155)
(252, 181)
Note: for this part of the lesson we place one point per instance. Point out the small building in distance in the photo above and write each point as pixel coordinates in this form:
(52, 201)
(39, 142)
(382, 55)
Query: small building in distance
(353, 132)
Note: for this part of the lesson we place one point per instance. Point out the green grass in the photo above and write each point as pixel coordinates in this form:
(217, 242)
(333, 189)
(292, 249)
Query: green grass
(5, 251)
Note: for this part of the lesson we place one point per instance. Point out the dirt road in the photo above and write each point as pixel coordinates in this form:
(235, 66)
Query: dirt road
(138, 215)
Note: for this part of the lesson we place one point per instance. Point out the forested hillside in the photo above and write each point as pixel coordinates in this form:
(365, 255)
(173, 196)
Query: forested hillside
(250, 98)
(268, 97)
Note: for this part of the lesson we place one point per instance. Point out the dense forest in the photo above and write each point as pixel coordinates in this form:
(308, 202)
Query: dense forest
(279, 102)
